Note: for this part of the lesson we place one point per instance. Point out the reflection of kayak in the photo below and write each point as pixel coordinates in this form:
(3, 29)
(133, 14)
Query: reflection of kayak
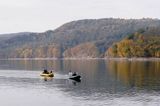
(47, 75)
(47, 78)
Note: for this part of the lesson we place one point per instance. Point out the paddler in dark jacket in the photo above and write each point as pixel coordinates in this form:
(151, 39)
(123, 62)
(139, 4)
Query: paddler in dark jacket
(45, 71)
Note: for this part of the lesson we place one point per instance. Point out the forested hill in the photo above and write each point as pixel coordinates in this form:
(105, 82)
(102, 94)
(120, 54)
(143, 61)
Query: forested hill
(138, 44)
(83, 38)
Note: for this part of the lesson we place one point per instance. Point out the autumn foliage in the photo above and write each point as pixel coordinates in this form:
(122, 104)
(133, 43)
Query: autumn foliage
(136, 45)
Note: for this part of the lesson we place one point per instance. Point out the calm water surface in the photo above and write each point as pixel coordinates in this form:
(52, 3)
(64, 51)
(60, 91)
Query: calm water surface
(104, 83)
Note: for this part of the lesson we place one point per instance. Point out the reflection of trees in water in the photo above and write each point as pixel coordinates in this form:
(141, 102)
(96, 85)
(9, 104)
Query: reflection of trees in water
(90, 70)
(48, 64)
(36, 64)
(86, 67)
(20, 64)
(81, 65)
(135, 73)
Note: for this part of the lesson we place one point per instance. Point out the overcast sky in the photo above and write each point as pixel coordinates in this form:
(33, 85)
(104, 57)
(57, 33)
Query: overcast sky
(42, 15)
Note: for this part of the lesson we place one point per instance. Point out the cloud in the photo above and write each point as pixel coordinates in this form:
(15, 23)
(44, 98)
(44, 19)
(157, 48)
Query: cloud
(41, 15)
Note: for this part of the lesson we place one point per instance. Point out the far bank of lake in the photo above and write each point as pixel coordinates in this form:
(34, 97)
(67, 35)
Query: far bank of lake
(108, 58)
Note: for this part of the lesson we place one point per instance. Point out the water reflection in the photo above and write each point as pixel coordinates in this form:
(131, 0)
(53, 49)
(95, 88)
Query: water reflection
(74, 82)
(47, 78)
(136, 73)
(103, 82)
(105, 74)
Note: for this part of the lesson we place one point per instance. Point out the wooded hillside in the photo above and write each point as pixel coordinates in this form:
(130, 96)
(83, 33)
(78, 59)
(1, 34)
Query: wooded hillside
(139, 44)
(95, 34)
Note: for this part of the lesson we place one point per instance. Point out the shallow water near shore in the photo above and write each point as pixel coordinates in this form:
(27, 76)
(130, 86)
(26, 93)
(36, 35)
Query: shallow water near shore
(104, 82)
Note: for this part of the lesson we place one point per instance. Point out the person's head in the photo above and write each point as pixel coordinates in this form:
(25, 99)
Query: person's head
(45, 70)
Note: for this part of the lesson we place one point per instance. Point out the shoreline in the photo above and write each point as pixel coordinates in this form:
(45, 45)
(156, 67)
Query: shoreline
(136, 59)
(107, 58)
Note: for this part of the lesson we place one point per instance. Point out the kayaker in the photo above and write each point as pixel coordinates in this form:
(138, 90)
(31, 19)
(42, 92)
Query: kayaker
(51, 72)
(45, 71)
(74, 74)
(70, 73)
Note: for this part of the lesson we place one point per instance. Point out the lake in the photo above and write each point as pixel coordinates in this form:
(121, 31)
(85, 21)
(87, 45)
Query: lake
(103, 83)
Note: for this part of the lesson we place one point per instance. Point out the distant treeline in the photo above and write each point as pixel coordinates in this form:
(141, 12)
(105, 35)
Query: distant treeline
(139, 44)
(86, 38)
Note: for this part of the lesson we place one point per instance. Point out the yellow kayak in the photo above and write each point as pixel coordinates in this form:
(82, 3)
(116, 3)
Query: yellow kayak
(47, 75)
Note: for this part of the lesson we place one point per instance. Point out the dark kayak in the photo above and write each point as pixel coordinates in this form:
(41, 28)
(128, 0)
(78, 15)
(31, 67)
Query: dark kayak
(76, 78)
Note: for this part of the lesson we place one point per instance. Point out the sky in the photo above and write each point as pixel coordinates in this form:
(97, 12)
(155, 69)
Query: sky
(42, 15)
